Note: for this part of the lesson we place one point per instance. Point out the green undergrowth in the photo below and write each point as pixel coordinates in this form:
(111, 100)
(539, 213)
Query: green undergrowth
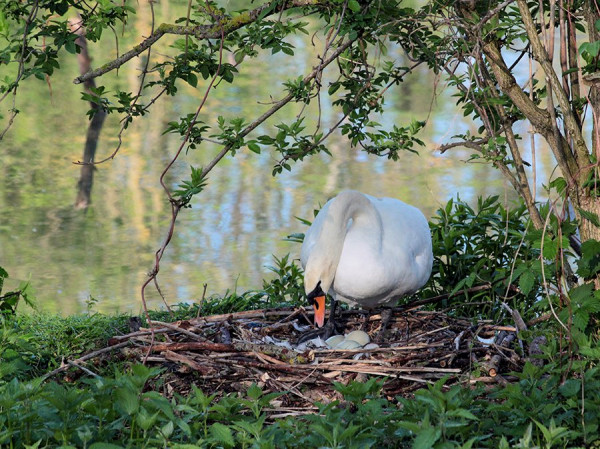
(118, 411)
(556, 406)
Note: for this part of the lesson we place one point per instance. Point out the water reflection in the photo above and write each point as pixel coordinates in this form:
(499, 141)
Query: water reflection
(233, 228)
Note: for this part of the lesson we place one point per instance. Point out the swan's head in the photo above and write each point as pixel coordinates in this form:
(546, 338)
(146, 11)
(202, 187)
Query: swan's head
(318, 278)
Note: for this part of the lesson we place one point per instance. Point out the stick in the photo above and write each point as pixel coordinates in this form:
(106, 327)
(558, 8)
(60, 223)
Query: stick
(82, 368)
(175, 357)
(178, 329)
(117, 338)
(91, 355)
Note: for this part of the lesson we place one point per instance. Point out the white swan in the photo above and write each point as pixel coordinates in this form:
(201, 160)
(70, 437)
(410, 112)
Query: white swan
(365, 251)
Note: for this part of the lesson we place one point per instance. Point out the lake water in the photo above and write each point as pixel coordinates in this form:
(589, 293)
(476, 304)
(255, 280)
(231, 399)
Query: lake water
(237, 224)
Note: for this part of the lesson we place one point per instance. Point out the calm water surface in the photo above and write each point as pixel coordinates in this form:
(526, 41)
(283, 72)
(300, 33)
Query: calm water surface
(236, 225)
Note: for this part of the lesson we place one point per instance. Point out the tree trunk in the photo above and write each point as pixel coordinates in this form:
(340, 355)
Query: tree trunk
(587, 201)
(587, 229)
(86, 178)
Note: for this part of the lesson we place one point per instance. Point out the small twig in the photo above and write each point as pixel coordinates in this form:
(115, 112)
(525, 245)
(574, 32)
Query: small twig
(539, 319)
(117, 338)
(205, 285)
(82, 368)
(91, 355)
(458, 338)
(178, 329)
(176, 357)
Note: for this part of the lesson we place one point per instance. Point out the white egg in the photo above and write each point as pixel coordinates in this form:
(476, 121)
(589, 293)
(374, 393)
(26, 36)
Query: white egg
(334, 340)
(362, 338)
(348, 344)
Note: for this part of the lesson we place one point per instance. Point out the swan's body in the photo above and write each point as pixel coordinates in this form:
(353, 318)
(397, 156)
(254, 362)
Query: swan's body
(367, 251)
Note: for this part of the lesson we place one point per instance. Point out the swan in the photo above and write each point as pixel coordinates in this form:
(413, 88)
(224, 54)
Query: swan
(365, 251)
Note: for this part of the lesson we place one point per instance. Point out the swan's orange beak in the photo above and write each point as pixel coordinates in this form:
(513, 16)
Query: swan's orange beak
(319, 305)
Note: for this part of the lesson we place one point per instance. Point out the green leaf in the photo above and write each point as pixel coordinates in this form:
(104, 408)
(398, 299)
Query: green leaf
(354, 6)
(526, 281)
(591, 48)
(145, 419)
(589, 264)
(570, 388)
(3, 23)
(333, 88)
(167, 429)
(192, 80)
(590, 216)
(252, 146)
(128, 400)
(426, 438)
(463, 413)
(559, 183)
(105, 446)
(222, 434)
(593, 353)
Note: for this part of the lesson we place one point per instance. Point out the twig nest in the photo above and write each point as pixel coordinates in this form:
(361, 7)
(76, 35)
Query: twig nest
(361, 337)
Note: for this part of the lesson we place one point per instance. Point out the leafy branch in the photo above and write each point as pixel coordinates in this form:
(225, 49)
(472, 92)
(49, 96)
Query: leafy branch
(225, 26)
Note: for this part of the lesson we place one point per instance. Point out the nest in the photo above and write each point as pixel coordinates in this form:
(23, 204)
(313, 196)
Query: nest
(227, 353)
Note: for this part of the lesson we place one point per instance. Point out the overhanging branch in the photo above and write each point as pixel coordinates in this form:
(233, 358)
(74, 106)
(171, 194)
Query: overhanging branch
(226, 26)
(277, 106)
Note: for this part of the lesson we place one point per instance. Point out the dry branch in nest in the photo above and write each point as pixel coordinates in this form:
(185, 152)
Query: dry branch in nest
(227, 353)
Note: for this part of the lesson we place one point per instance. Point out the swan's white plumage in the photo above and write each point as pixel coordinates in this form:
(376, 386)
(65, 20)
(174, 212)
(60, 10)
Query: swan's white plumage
(367, 251)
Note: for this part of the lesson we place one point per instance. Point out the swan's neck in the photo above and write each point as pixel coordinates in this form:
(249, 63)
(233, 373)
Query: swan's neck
(348, 210)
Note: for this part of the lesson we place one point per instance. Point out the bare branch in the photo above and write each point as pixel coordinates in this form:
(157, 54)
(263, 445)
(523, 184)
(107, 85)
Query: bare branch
(476, 145)
(539, 118)
(541, 56)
